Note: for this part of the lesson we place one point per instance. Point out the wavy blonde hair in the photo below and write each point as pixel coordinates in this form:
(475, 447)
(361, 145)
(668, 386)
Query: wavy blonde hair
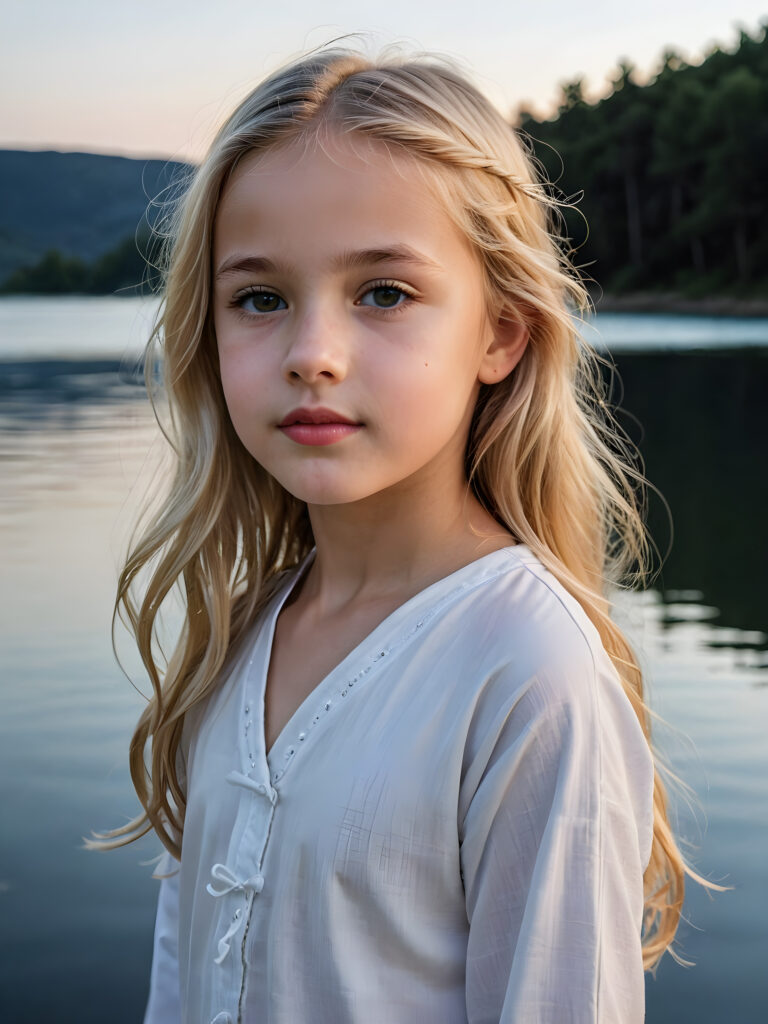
(544, 455)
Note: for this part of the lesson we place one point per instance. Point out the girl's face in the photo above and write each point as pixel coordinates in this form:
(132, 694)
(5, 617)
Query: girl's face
(341, 285)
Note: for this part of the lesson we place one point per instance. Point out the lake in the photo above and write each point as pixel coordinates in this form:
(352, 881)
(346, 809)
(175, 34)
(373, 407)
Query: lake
(79, 449)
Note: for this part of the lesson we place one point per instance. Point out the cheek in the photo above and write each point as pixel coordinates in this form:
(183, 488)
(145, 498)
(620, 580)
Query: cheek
(245, 393)
(442, 379)
(425, 406)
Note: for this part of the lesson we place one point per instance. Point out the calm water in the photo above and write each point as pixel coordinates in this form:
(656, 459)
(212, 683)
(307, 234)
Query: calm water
(78, 451)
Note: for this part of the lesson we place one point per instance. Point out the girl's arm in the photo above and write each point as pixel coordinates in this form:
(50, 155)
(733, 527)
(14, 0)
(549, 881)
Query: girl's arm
(555, 839)
(164, 1006)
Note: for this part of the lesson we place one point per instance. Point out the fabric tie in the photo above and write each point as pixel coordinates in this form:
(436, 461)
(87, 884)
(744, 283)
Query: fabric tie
(231, 883)
(238, 779)
(221, 873)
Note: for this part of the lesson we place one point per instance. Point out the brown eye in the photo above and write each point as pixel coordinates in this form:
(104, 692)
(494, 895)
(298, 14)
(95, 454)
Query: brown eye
(261, 302)
(385, 296)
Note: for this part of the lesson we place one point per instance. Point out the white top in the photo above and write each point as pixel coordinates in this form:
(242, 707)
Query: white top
(452, 827)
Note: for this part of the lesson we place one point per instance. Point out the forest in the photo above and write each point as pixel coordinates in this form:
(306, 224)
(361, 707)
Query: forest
(663, 185)
(666, 182)
(123, 270)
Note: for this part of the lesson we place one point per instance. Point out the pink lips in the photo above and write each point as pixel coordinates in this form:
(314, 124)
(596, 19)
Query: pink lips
(317, 426)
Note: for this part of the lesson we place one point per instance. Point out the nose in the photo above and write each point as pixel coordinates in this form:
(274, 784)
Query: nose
(317, 347)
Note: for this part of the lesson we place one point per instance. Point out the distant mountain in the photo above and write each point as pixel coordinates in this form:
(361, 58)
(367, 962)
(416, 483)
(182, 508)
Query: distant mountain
(82, 204)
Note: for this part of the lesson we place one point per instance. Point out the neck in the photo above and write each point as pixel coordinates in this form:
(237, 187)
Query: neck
(388, 545)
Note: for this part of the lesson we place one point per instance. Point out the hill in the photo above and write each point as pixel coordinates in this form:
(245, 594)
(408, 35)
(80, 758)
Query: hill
(81, 204)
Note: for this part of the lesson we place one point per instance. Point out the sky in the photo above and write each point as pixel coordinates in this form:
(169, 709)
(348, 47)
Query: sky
(157, 77)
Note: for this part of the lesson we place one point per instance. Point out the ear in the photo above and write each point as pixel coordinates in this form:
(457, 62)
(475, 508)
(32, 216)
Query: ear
(508, 340)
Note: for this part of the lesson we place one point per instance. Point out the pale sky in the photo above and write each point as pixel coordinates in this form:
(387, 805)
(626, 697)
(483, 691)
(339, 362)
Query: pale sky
(156, 77)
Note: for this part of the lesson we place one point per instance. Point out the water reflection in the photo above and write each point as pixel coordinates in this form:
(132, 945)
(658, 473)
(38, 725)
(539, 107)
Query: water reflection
(700, 422)
(745, 648)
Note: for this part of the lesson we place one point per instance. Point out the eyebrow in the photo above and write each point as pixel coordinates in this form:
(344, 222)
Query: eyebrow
(344, 261)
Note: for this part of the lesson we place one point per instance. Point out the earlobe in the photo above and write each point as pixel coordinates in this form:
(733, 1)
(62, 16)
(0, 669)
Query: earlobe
(507, 346)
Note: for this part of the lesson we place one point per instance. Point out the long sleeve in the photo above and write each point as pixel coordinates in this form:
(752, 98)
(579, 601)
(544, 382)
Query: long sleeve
(555, 839)
(163, 1005)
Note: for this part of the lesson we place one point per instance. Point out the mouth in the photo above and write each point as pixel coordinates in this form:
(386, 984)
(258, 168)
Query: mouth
(317, 427)
(310, 417)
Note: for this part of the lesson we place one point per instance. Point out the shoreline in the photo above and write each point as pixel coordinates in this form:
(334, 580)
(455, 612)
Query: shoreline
(671, 302)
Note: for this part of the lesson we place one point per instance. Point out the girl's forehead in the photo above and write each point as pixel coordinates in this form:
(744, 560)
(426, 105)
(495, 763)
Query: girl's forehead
(350, 154)
(340, 191)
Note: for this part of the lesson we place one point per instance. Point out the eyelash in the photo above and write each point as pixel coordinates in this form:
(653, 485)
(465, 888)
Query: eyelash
(409, 297)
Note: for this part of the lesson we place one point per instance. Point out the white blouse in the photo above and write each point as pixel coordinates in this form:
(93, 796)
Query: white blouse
(451, 828)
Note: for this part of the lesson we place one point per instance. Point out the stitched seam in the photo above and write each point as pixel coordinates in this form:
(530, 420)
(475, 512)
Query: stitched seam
(244, 964)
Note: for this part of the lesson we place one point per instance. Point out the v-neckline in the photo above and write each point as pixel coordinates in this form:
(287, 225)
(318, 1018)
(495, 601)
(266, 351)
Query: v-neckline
(255, 689)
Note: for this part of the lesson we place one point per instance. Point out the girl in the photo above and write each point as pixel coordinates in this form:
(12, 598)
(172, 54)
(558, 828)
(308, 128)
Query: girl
(400, 751)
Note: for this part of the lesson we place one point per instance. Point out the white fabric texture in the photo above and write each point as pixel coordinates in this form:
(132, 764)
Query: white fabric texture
(451, 828)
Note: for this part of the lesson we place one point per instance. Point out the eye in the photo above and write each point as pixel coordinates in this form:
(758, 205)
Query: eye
(257, 300)
(386, 295)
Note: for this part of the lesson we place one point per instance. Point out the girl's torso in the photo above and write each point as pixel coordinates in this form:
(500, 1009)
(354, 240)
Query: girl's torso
(332, 864)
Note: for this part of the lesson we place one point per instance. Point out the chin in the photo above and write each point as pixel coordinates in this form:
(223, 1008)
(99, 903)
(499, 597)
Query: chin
(324, 492)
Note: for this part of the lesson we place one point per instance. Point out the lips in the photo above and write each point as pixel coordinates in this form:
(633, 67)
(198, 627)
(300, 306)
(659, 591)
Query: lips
(317, 427)
(315, 415)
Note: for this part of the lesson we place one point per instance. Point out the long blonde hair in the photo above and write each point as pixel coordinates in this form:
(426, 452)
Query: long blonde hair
(544, 456)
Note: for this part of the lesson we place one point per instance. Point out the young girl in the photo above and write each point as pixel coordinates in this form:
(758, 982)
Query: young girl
(400, 751)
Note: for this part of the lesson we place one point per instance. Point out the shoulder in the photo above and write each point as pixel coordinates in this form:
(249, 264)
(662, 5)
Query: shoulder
(538, 661)
(549, 691)
(540, 666)
(524, 623)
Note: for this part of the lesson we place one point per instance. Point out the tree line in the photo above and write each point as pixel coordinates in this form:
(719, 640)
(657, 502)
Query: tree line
(126, 269)
(664, 184)
(673, 173)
